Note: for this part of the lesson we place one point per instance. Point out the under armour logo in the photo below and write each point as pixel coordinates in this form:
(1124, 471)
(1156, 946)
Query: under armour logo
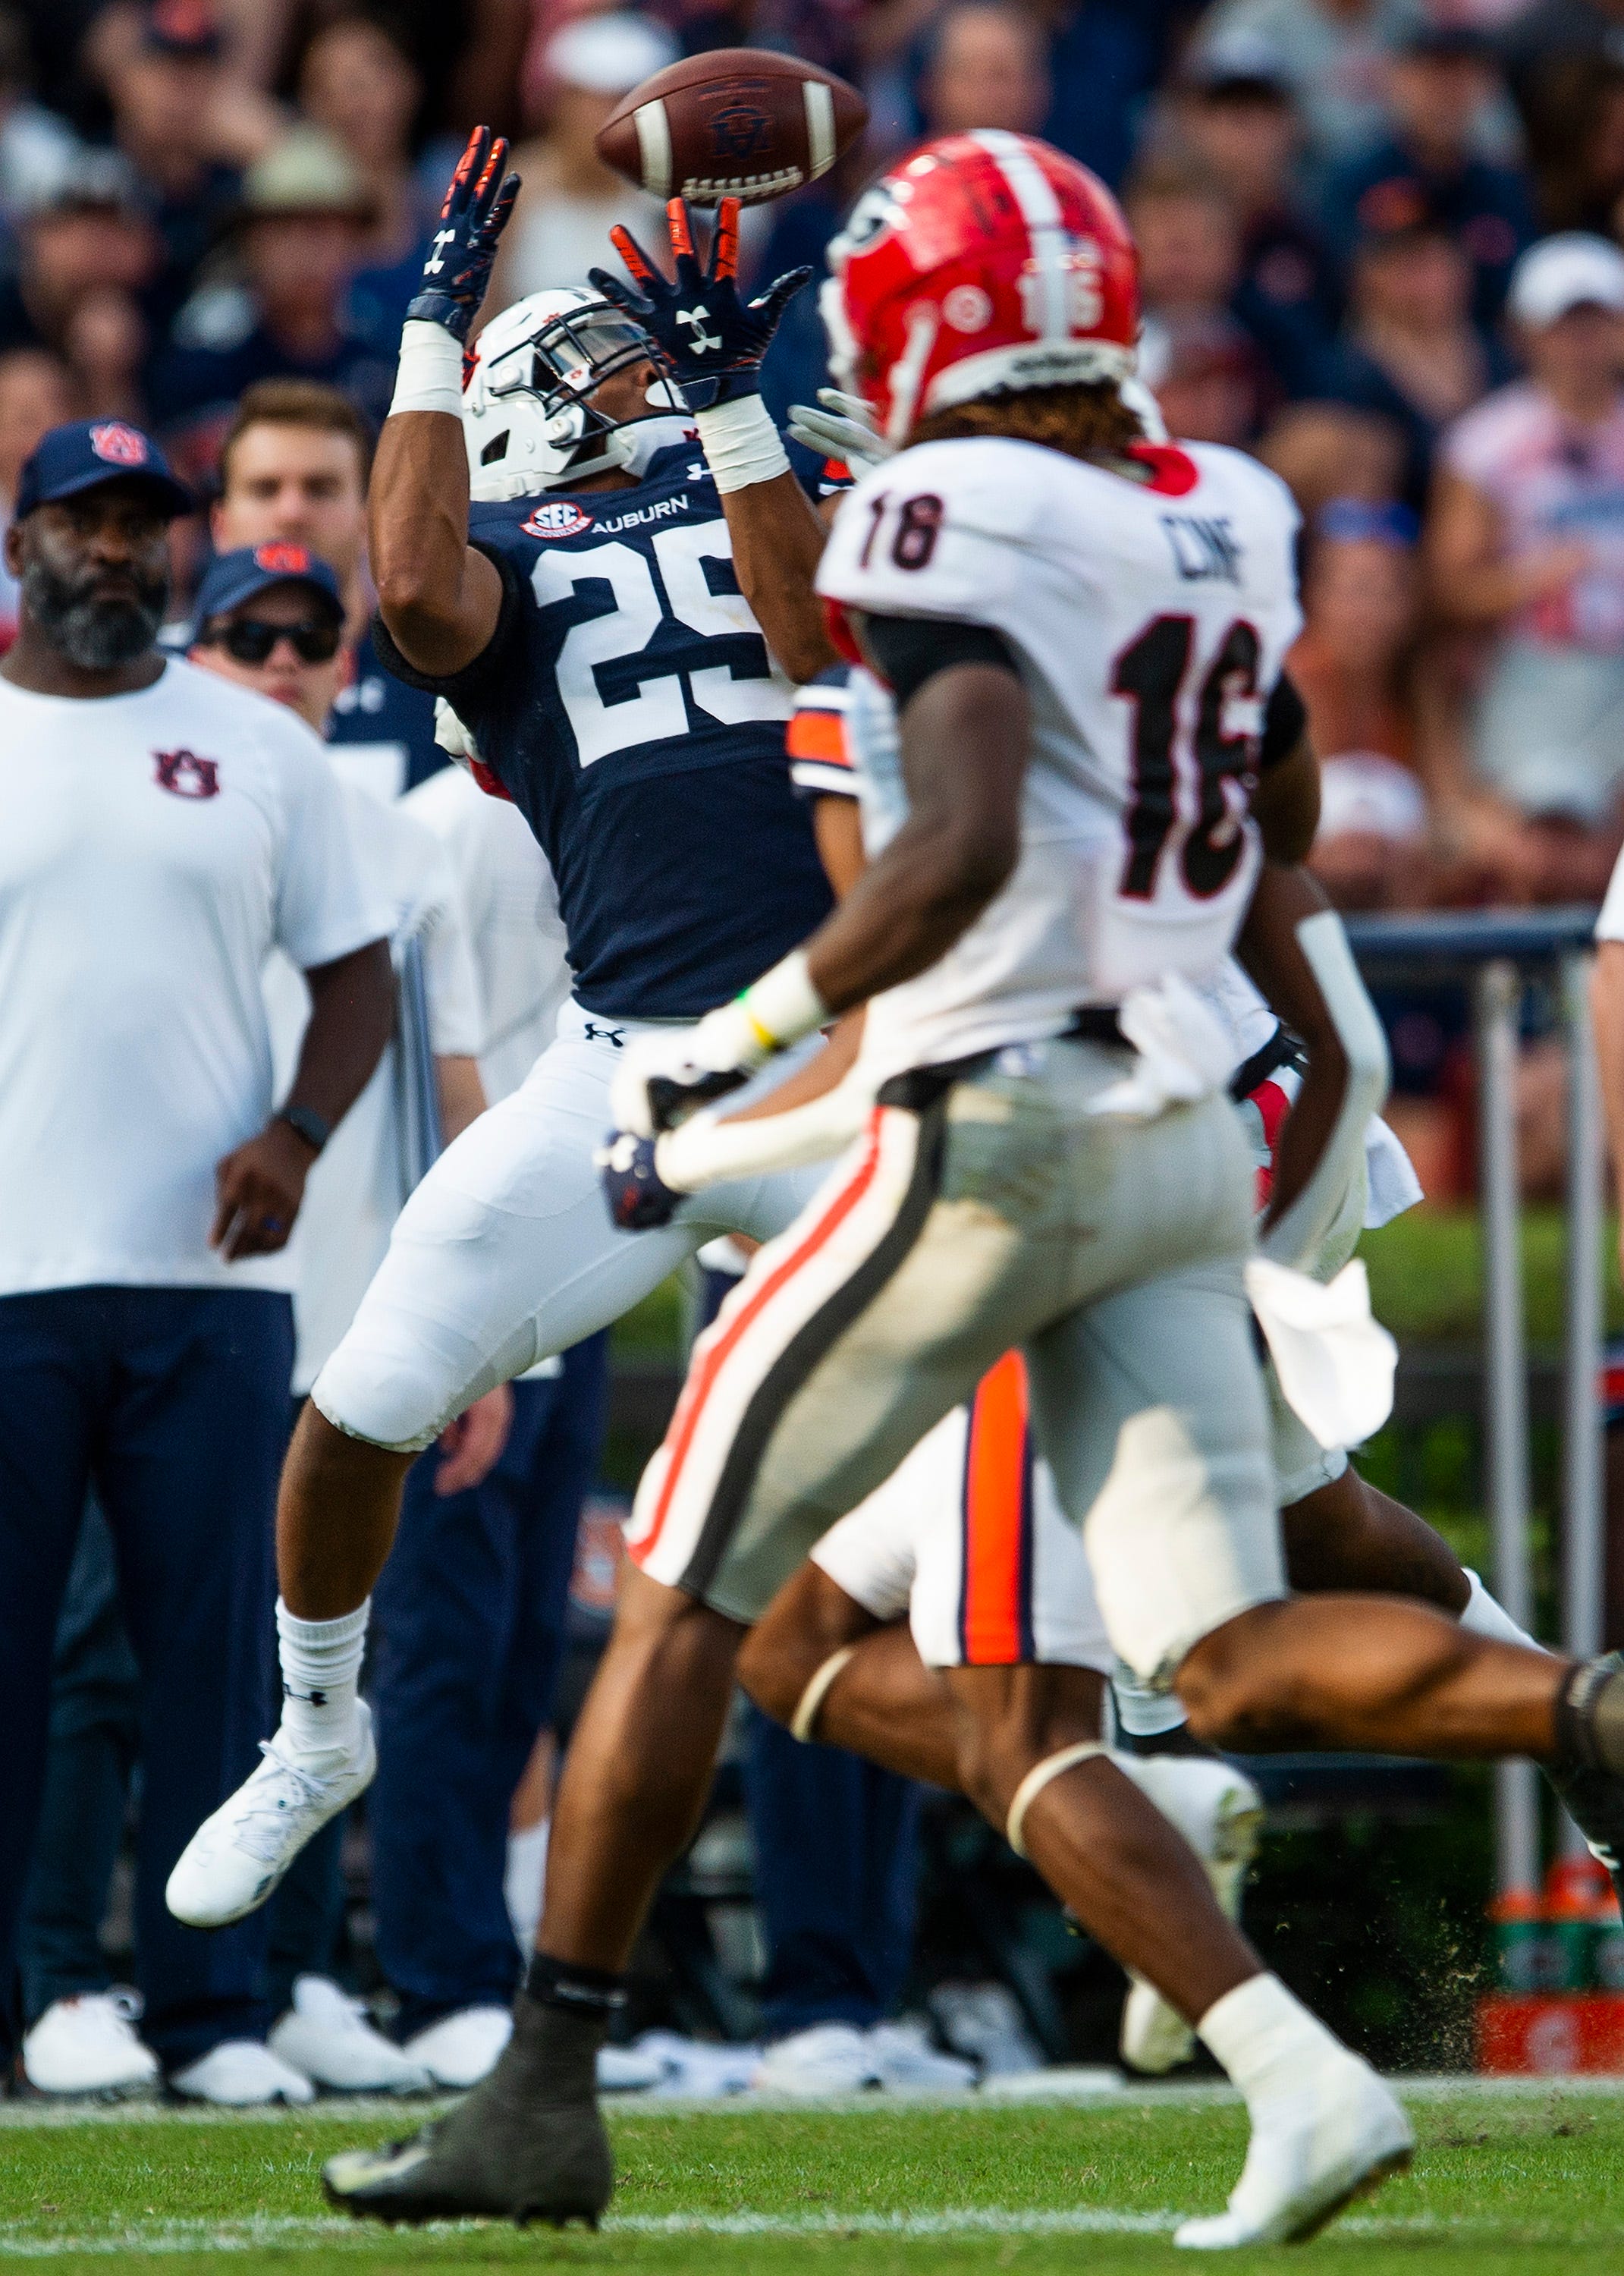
(435, 261)
(702, 341)
(597, 1035)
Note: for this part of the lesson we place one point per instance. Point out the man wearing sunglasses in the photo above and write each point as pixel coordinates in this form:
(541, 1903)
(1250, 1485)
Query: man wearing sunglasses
(269, 617)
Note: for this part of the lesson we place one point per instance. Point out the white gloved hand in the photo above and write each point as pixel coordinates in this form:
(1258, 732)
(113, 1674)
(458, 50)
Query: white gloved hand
(450, 733)
(662, 1079)
(843, 428)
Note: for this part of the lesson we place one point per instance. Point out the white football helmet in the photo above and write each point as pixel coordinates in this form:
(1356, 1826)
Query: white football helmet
(527, 418)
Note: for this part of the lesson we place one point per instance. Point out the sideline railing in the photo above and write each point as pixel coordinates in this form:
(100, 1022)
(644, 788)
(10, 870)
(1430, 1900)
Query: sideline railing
(1494, 952)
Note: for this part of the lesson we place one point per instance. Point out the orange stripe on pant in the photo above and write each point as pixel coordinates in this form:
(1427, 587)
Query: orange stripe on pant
(712, 1355)
(994, 1622)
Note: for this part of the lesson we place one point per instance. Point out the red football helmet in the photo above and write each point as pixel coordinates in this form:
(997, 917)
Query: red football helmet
(982, 262)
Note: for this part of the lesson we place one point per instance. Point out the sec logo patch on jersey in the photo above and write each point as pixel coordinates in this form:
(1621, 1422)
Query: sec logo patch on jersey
(187, 775)
(557, 518)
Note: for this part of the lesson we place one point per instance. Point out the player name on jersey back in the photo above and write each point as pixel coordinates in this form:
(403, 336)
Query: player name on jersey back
(1149, 620)
(630, 707)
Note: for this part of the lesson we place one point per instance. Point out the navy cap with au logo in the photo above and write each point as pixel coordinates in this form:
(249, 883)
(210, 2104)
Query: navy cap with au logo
(233, 578)
(87, 452)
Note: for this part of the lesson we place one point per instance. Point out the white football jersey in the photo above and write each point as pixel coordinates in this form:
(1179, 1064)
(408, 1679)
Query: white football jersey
(1149, 620)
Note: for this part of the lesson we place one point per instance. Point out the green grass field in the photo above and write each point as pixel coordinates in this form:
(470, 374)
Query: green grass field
(1527, 2181)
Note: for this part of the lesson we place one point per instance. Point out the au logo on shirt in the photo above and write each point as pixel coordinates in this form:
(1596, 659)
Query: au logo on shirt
(187, 775)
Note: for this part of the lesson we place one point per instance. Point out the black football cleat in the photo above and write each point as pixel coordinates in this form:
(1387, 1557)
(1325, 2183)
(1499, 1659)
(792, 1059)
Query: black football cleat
(527, 2143)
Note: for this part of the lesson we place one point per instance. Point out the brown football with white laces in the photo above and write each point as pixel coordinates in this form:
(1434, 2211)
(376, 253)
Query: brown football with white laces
(735, 123)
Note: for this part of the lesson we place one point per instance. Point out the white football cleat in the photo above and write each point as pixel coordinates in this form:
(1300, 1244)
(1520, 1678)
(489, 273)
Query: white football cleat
(1310, 2155)
(824, 2058)
(460, 2048)
(240, 2072)
(984, 2022)
(628, 2070)
(1220, 1814)
(906, 2062)
(327, 2035)
(235, 1858)
(87, 2046)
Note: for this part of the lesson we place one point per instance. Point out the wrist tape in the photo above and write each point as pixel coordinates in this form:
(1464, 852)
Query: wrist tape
(741, 442)
(430, 375)
(1589, 1716)
(781, 1007)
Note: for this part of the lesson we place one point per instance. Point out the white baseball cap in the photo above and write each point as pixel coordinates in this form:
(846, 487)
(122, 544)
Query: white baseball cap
(1572, 270)
(610, 54)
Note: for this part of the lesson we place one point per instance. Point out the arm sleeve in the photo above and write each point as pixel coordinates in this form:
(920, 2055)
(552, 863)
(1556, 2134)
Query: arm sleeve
(910, 650)
(820, 763)
(1286, 720)
(463, 689)
(328, 902)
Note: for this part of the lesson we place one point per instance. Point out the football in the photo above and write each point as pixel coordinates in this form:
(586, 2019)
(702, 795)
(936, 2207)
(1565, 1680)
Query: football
(736, 123)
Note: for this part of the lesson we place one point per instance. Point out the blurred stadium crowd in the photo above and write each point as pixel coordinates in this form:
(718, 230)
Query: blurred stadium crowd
(1380, 244)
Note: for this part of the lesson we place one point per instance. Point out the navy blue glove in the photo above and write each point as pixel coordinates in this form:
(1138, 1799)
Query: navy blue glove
(709, 342)
(638, 1197)
(472, 219)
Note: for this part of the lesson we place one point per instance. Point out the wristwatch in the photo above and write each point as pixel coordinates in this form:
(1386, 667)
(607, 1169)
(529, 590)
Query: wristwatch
(314, 1129)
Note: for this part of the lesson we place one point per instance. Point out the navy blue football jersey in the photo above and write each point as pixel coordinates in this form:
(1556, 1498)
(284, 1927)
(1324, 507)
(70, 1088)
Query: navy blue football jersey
(629, 706)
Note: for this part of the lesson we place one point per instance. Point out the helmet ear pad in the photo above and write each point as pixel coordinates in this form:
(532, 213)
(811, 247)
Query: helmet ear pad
(528, 420)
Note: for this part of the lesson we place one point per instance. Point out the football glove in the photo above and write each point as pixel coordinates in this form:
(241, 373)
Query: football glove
(709, 342)
(639, 1199)
(662, 1079)
(842, 427)
(472, 220)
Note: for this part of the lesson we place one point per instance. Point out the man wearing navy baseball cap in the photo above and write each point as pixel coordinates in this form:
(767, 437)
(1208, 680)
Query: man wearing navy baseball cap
(161, 832)
(88, 544)
(271, 617)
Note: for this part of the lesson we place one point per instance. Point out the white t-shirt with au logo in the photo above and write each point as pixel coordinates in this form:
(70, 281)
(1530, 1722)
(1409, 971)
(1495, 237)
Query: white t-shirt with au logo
(154, 849)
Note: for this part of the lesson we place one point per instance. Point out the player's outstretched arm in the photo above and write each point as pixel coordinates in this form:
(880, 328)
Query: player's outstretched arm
(964, 719)
(710, 343)
(440, 599)
(965, 729)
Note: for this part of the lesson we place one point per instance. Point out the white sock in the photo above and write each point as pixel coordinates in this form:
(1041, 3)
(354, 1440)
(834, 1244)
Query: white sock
(321, 1675)
(1267, 2040)
(522, 1882)
(1487, 1618)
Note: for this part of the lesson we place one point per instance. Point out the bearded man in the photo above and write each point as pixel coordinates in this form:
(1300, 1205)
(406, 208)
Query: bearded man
(160, 831)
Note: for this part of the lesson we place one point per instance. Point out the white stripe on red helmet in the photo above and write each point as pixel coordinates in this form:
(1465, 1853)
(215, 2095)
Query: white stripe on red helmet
(983, 263)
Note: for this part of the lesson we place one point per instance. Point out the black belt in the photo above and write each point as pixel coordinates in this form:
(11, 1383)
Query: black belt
(1098, 1023)
(1281, 1050)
